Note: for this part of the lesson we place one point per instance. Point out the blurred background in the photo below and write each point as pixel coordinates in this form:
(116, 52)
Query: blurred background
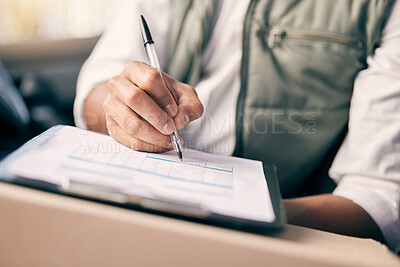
(43, 44)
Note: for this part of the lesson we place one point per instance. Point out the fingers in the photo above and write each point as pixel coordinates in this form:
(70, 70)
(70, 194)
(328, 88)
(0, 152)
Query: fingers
(141, 107)
(150, 81)
(189, 107)
(141, 103)
(119, 134)
(133, 125)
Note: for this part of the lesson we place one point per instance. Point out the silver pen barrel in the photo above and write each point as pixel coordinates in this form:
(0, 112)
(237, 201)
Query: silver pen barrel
(154, 63)
(176, 142)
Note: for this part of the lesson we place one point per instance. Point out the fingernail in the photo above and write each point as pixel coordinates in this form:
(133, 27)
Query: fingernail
(185, 119)
(171, 110)
(169, 128)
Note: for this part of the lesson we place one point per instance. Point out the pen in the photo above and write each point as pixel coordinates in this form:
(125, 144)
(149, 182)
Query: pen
(152, 56)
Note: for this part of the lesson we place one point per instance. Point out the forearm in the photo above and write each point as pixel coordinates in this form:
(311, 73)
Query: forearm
(333, 214)
(93, 108)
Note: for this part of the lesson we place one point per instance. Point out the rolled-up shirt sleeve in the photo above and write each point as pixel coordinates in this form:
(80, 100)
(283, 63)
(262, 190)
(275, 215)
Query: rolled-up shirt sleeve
(121, 43)
(367, 165)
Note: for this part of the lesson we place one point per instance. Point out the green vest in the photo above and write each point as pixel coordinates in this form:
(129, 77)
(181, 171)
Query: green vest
(300, 59)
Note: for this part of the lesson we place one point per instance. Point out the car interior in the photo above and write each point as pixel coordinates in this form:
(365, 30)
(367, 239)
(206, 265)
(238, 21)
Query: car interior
(41, 53)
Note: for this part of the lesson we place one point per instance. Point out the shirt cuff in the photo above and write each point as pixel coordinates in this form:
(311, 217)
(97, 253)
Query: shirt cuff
(92, 74)
(79, 117)
(380, 199)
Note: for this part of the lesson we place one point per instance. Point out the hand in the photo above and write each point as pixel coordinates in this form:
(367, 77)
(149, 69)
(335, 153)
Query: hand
(142, 109)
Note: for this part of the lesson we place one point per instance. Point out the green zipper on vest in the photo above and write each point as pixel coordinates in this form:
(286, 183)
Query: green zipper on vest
(276, 35)
(243, 75)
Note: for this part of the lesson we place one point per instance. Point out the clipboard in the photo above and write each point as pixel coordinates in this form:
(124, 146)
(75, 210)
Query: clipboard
(160, 205)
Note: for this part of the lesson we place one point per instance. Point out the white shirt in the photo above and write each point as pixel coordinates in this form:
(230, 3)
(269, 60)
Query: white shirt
(367, 166)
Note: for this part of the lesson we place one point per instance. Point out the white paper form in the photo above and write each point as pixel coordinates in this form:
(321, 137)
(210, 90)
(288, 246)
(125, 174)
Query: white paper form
(225, 185)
